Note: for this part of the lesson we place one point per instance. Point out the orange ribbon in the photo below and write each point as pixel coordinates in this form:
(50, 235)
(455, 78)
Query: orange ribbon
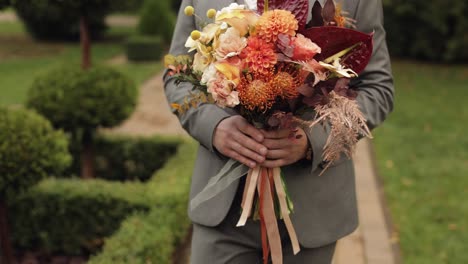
(267, 182)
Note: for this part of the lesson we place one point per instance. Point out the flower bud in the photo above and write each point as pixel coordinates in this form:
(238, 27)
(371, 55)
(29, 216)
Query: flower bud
(189, 10)
(211, 13)
(195, 35)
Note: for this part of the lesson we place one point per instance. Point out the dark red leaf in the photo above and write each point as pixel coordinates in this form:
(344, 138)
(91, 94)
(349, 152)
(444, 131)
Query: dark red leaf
(299, 8)
(335, 39)
(328, 12)
(317, 19)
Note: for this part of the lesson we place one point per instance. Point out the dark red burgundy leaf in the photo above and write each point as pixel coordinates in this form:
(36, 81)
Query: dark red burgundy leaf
(328, 12)
(299, 8)
(317, 19)
(335, 39)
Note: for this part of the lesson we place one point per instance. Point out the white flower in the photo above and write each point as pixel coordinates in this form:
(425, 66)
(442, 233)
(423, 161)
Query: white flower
(229, 9)
(339, 69)
(209, 74)
(251, 4)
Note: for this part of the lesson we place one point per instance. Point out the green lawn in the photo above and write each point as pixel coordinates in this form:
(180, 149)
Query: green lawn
(22, 59)
(422, 152)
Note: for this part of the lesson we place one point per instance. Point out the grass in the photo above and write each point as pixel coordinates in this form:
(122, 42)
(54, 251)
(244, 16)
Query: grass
(22, 59)
(422, 153)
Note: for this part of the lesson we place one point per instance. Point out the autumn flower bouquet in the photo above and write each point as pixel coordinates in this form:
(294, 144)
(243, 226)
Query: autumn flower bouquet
(272, 66)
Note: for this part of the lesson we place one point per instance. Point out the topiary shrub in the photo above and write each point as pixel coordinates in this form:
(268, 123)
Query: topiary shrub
(30, 150)
(72, 216)
(60, 20)
(157, 19)
(144, 48)
(126, 158)
(428, 30)
(81, 101)
(154, 237)
(4, 3)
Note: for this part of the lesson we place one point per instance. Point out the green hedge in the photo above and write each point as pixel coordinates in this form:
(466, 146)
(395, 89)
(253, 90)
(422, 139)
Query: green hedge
(127, 158)
(152, 238)
(72, 216)
(144, 48)
(430, 30)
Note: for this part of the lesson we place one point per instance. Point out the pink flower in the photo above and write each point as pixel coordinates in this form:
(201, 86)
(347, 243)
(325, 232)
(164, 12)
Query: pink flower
(223, 91)
(230, 44)
(298, 48)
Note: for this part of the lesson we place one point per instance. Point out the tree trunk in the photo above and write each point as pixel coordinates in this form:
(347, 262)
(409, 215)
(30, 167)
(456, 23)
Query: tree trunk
(85, 42)
(7, 253)
(87, 155)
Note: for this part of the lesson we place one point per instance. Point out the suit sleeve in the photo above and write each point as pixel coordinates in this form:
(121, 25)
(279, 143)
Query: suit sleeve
(199, 122)
(374, 85)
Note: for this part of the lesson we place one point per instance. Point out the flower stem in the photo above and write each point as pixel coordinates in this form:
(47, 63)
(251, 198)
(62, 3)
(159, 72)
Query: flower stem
(265, 5)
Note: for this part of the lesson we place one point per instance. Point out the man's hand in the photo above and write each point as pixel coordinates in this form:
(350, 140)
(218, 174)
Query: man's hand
(235, 138)
(283, 150)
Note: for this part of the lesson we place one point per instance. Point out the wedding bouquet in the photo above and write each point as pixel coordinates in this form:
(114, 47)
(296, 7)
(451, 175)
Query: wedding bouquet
(273, 67)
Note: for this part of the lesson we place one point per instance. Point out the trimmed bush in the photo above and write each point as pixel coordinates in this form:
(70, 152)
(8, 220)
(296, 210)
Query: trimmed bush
(30, 150)
(153, 237)
(429, 30)
(157, 19)
(81, 101)
(146, 238)
(144, 48)
(63, 16)
(73, 216)
(4, 3)
(126, 158)
(74, 99)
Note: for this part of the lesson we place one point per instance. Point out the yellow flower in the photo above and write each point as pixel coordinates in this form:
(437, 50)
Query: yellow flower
(195, 34)
(189, 10)
(211, 13)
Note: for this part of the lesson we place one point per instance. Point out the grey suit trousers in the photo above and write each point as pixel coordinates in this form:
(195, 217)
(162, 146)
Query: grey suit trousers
(228, 244)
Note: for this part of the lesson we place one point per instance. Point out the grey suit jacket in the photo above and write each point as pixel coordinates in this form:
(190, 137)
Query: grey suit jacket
(325, 206)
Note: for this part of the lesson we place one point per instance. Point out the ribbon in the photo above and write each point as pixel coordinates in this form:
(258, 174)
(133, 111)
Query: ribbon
(284, 210)
(231, 171)
(268, 181)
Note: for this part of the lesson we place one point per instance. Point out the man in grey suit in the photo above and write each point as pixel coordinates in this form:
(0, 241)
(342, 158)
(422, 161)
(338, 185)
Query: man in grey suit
(325, 206)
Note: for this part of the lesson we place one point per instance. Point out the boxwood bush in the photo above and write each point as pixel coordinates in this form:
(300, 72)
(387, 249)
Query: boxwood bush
(30, 149)
(80, 101)
(59, 19)
(127, 158)
(74, 99)
(153, 237)
(73, 216)
(144, 48)
(157, 19)
(430, 30)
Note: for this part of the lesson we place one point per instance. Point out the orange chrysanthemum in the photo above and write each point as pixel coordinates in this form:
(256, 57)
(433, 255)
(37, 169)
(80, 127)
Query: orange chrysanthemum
(256, 94)
(275, 22)
(259, 56)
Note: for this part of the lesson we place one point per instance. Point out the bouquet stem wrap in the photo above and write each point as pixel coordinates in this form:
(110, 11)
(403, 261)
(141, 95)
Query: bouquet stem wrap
(264, 182)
